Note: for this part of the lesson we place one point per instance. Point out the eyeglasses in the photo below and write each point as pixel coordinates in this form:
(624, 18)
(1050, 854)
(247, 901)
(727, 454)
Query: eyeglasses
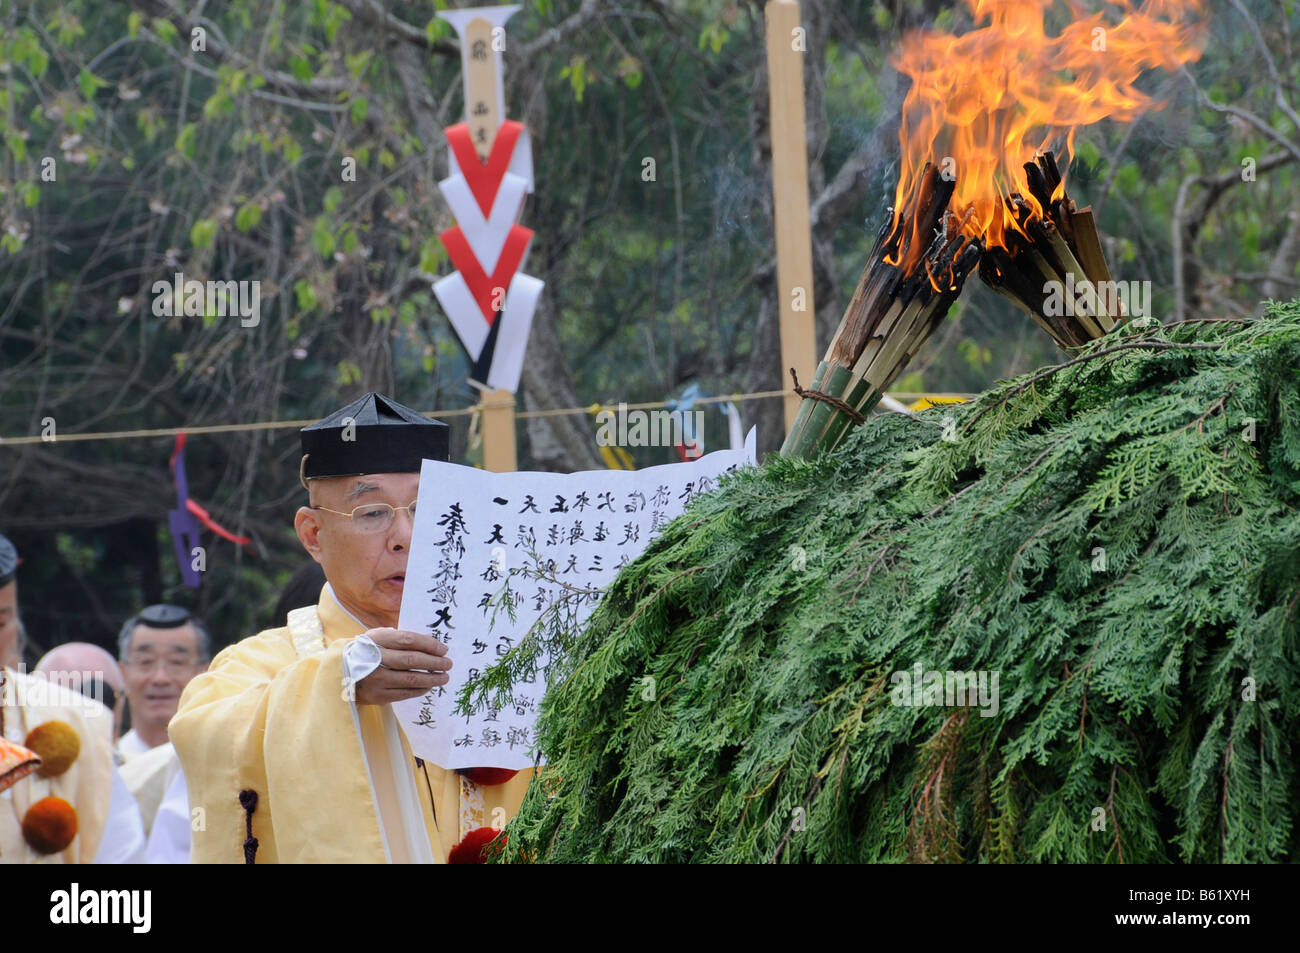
(172, 664)
(373, 517)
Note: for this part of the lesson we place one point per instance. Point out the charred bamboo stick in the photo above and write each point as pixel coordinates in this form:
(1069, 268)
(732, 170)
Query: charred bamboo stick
(1085, 284)
(918, 265)
(1058, 245)
(1089, 245)
(1003, 272)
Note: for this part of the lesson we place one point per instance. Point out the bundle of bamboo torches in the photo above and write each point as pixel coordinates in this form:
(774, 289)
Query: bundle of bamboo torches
(913, 275)
(1053, 266)
(916, 270)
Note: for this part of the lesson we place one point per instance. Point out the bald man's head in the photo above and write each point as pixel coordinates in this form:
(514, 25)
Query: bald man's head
(90, 670)
(85, 658)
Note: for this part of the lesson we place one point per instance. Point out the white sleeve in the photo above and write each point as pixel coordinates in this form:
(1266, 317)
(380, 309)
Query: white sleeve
(169, 841)
(123, 841)
(360, 658)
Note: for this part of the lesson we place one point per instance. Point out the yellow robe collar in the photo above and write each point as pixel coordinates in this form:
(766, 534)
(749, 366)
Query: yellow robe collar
(336, 621)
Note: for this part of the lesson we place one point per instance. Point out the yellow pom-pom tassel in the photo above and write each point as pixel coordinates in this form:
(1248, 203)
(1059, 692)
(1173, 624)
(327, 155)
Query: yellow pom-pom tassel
(57, 744)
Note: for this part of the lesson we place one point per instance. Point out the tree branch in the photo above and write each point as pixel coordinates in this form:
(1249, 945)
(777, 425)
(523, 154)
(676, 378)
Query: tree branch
(589, 11)
(222, 52)
(373, 12)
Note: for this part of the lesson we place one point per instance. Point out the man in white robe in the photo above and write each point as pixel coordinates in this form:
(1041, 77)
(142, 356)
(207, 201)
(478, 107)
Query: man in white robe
(104, 816)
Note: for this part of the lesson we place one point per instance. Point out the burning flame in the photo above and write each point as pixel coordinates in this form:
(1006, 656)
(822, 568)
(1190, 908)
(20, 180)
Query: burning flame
(984, 103)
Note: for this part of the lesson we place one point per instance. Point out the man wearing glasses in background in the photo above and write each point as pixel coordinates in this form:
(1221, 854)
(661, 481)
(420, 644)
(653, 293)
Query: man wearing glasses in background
(288, 742)
(161, 649)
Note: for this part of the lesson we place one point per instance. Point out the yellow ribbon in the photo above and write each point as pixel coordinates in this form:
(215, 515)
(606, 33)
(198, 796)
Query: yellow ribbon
(616, 458)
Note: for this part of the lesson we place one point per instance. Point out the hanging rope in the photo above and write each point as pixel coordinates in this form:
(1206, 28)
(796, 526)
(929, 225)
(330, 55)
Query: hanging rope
(436, 414)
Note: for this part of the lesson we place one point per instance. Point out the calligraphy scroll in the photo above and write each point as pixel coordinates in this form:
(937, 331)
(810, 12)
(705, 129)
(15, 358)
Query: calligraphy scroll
(483, 539)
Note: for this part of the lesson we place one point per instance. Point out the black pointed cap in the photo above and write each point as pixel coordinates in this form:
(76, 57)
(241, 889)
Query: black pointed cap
(375, 434)
(8, 561)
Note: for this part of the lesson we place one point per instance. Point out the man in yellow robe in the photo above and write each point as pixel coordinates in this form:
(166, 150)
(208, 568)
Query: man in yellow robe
(289, 745)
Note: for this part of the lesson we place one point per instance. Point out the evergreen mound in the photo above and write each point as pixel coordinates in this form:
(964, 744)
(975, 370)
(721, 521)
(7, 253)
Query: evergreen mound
(1116, 538)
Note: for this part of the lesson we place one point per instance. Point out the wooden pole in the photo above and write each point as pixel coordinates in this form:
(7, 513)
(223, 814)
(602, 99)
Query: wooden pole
(794, 273)
(500, 451)
(481, 87)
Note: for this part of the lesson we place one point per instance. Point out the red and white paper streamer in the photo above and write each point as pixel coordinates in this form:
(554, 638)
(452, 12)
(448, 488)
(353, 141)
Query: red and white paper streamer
(488, 298)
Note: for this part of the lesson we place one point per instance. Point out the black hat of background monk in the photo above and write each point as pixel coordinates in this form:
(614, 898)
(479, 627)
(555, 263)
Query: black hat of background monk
(8, 561)
(162, 616)
(375, 434)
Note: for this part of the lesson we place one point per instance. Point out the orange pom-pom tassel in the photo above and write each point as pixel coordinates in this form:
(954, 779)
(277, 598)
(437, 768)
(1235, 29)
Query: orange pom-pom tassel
(50, 825)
